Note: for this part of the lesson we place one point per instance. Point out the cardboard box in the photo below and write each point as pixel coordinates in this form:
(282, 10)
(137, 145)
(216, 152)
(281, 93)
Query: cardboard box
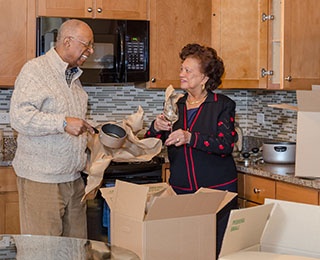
(307, 162)
(155, 223)
(276, 230)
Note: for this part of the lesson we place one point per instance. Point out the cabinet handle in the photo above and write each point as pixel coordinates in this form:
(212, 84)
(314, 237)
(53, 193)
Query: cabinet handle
(265, 72)
(289, 78)
(256, 190)
(99, 10)
(89, 9)
(153, 80)
(267, 17)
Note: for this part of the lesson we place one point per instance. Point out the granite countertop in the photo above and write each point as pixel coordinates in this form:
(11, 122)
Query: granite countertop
(5, 163)
(8, 151)
(279, 172)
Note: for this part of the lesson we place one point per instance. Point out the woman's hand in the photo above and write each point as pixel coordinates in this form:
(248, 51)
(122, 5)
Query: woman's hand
(162, 124)
(178, 138)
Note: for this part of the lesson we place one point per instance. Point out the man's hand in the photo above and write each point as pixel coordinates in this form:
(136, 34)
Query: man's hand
(76, 126)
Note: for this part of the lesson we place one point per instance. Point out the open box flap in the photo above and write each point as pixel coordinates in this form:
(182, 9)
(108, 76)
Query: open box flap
(200, 203)
(131, 199)
(107, 194)
(284, 106)
(245, 228)
(308, 101)
(308, 128)
(292, 229)
(228, 197)
(307, 163)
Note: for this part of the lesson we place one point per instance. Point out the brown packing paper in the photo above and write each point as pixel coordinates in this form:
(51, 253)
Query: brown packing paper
(133, 150)
(170, 109)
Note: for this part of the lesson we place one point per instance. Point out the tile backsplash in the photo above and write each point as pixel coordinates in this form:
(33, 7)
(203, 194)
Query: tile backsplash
(113, 103)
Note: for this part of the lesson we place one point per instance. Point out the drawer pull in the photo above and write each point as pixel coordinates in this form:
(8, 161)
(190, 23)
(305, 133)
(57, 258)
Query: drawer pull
(256, 190)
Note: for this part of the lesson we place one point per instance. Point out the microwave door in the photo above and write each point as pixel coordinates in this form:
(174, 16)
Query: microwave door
(102, 65)
(120, 66)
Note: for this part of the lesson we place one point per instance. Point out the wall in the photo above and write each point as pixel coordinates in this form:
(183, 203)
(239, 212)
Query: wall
(114, 103)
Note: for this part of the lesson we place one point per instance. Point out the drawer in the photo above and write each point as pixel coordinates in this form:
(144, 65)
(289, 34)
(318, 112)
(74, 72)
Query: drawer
(295, 193)
(250, 204)
(258, 188)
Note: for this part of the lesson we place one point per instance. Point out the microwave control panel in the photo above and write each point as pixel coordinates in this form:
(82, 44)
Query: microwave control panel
(136, 56)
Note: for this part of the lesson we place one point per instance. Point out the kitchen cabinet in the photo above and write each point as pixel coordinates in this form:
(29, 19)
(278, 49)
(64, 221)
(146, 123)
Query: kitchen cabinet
(17, 41)
(9, 202)
(295, 193)
(173, 24)
(268, 44)
(111, 9)
(258, 188)
(254, 189)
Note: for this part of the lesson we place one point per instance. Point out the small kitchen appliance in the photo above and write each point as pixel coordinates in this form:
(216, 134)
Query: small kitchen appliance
(279, 152)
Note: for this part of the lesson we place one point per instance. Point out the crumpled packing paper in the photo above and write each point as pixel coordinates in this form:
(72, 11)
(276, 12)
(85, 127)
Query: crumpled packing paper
(133, 150)
(170, 109)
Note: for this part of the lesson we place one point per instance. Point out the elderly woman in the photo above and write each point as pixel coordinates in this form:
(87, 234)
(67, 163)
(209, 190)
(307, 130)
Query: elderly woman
(201, 141)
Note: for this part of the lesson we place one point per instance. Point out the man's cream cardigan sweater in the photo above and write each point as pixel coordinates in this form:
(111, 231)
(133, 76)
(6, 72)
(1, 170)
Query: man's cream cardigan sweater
(40, 102)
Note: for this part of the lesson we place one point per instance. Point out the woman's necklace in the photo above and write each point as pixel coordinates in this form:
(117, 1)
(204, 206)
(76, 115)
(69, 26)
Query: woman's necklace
(197, 101)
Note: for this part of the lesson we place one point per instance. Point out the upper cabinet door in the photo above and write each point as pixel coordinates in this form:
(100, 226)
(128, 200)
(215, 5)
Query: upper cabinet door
(301, 44)
(122, 9)
(174, 24)
(240, 38)
(70, 8)
(17, 41)
(111, 9)
(273, 44)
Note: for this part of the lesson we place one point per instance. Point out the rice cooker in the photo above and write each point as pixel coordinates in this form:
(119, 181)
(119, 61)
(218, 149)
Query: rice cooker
(279, 152)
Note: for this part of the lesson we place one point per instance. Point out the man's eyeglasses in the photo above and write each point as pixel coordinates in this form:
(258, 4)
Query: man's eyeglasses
(85, 44)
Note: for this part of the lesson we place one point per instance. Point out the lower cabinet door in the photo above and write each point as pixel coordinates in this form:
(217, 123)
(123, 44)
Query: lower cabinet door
(9, 213)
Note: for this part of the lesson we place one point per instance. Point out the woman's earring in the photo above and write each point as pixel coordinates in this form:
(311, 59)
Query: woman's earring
(203, 86)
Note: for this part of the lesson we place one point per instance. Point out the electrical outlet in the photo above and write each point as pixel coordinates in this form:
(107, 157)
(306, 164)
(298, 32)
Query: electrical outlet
(260, 118)
(4, 118)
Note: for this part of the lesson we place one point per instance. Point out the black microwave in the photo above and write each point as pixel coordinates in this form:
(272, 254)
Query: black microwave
(121, 49)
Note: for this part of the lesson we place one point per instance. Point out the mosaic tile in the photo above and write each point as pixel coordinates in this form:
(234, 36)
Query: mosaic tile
(114, 103)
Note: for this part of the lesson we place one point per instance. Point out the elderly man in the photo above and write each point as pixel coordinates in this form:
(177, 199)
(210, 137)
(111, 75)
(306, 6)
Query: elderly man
(48, 109)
